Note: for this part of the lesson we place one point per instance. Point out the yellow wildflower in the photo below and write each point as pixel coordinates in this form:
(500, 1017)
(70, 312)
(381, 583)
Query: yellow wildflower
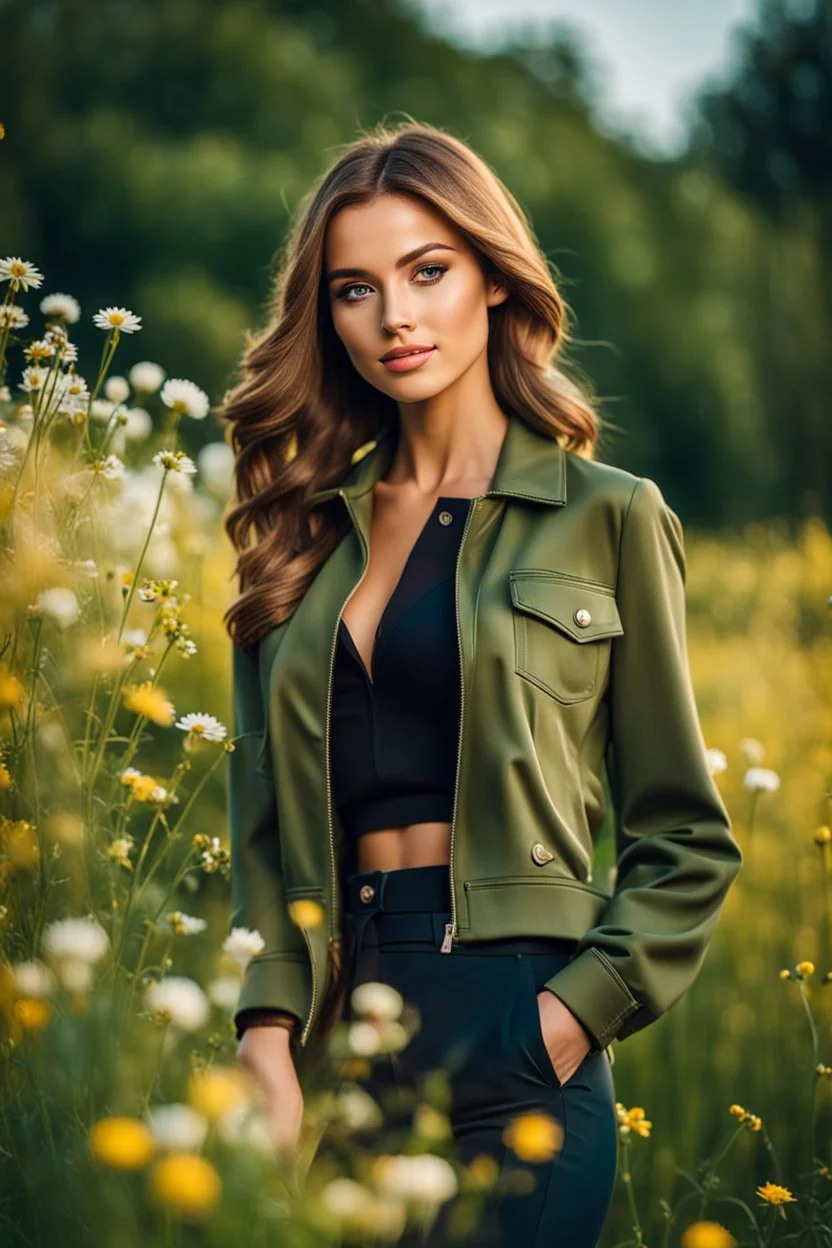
(216, 1091)
(5, 777)
(121, 1142)
(483, 1171)
(32, 1013)
(805, 968)
(127, 579)
(534, 1136)
(11, 690)
(186, 1183)
(746, 1118)
(632, 1120)
(785, 973)
(20, 843)
(305, 912)
(150, 701)
(119, 851)
(823, 835)
(707, 1235)
(774, 1194)
(144, 787)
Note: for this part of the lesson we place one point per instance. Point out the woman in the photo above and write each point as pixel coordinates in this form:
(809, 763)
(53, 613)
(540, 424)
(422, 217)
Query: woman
(454, 627)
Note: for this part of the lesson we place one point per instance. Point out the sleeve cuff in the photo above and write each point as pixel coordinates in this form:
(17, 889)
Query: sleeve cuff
(593, 990)
(278, 982)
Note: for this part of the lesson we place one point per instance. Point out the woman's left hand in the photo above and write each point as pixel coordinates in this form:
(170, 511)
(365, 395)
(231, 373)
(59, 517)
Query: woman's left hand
(566, 1039)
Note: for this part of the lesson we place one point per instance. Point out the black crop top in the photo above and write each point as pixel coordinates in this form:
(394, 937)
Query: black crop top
(394, 738)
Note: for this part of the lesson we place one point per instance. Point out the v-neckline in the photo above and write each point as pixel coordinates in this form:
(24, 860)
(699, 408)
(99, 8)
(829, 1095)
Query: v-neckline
(442, 498)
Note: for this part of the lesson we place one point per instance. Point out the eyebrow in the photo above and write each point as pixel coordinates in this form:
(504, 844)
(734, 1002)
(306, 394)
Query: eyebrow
(400, 263)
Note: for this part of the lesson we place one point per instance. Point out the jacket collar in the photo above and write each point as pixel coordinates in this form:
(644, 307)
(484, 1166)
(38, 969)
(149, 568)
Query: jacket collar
(530, 465)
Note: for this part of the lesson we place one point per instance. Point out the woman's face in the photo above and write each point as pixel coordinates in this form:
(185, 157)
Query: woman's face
(399, 276)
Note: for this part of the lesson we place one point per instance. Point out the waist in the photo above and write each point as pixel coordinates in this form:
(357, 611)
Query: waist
(413, 905)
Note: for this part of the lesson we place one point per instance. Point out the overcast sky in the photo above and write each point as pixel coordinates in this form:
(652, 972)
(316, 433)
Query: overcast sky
(653, 52)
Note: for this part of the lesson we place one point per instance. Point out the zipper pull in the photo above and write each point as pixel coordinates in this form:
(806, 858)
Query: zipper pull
(445, 947)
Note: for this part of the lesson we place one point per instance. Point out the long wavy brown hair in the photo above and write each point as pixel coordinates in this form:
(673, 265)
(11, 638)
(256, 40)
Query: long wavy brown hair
(301, 410)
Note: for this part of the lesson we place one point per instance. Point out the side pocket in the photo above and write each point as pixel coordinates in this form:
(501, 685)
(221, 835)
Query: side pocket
(543, 1060)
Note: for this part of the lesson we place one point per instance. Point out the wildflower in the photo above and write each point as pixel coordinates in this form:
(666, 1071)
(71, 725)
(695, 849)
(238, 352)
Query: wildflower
(102, 410)
(135, 637)
(116, 389)
(534, 1136)
(12, 317)
(20, 843)
(80, 939)
(121, 1142)
(805, 968)
(305, 912)
(244, 1125)
(20, 273)
(746, 1118)
(378, 1000)
(185, 398)
(186, 647)
(185, 1183)
(184, 924)
(118, 319)
(39, 349)
(32, 978)
(421, 1179)
(823, 835)
(34, 378)
(178, 1002)
(177, 1127)
(5, 778)
(110, 467)
(175, 461)
(119, 851)
(355, 1108)
(146, 377)
(753, 751)
(431, 1123)
(707, 1235)
(204, 726)
(363, 1039)
(216, 466)
(774, 1194)
(632, 1120)
(214, 857)
(350, 1202)
(138, 425)
(142, 787)
(32, 1014)
(224, 992)
(717, 761)
(65, 307)
(761, 780)
(216, 1091)
(243, 944)
(150, 701)
(11, 689)
(60, 603)
(785, 973)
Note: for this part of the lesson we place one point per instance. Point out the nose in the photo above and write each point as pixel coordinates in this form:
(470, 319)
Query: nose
(396, 315)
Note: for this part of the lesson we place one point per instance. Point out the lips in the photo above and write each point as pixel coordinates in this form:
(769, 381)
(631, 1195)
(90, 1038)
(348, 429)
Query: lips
(404, 361)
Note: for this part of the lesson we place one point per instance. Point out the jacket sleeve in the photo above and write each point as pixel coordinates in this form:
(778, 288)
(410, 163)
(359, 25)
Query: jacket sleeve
(676, 855)
(279, 977)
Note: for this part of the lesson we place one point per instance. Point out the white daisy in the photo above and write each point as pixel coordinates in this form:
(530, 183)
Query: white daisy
(60, 603)
(185, 398)
(12, 317)
(420, 1178)
(116, 388)
(243, 944)
(717, 761)
(33, 378)
(20, 273)
(65, 307)
(119, 319)
(378, 1000)
(146, 377)
(363, 1039)
(174, 461)
(110, 467)
(204, 726)
(82, 939)
(39, 349)
(178, 1001)
(224, 992)
(761, 780)
(33, 978)
(139, 424)
(184, 924)
(177, 1127)
(216, 464)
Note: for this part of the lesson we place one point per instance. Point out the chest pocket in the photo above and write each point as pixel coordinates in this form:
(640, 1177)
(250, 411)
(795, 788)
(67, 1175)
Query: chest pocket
(563, 628)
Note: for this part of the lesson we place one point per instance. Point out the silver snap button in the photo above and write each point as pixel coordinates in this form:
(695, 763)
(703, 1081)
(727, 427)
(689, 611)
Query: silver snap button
(367, 892)
(540, 854)
(583, 617)
(445, 517)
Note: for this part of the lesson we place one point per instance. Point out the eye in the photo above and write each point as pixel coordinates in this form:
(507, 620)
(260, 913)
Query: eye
(343, 293)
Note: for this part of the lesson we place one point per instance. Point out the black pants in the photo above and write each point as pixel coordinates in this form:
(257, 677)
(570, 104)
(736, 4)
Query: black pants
(478, 1021)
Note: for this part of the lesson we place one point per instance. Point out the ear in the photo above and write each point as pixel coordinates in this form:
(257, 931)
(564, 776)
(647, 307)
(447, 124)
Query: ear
(496, 293)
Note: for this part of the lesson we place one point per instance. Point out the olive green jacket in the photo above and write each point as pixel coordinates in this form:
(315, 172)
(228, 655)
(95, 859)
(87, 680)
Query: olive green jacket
(575, 683)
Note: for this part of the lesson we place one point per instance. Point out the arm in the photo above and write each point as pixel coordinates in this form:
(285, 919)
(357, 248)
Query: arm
(277, 979)
(676, 855)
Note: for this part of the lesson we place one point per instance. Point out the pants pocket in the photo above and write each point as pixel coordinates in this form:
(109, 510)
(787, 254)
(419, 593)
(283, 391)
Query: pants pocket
(535, 1030)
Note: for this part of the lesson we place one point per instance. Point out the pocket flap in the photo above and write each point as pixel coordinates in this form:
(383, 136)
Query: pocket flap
(555, 598)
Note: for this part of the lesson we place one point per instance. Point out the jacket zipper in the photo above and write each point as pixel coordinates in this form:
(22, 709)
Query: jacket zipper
(450, 928)
(333, 902)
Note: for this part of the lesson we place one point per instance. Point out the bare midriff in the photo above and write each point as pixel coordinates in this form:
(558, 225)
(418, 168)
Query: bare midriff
(413, 845)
